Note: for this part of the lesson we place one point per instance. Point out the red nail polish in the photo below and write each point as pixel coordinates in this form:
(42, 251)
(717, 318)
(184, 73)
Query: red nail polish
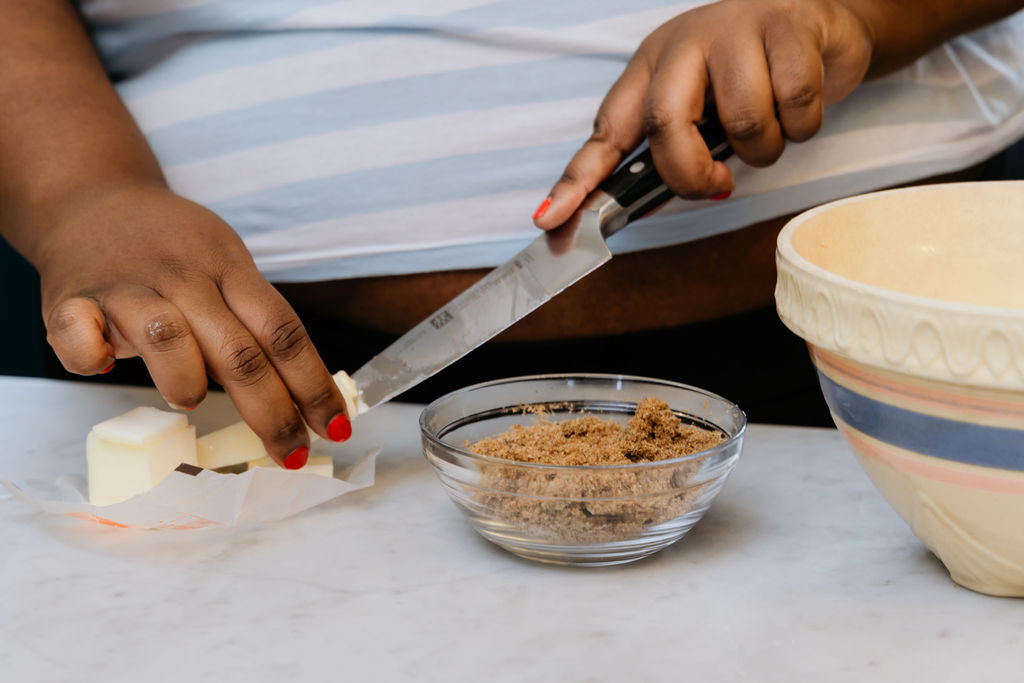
(339, 428)
(542, 209)
(724, 195)
(296, 460)
(107, 369)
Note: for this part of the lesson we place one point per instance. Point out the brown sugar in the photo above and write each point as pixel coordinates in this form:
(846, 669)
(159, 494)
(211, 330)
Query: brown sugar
(653, 433)
(594, 505)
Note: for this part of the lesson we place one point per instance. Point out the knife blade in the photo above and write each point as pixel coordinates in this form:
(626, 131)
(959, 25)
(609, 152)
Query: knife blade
(548, 265)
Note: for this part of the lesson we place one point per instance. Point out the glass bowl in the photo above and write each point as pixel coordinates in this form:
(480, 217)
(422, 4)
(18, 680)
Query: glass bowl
(577, 515)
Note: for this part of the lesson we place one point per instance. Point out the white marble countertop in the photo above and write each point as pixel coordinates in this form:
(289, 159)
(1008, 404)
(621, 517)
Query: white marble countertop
(799, 572)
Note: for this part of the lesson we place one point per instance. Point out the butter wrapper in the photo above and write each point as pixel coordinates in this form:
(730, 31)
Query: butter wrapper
(194, 498)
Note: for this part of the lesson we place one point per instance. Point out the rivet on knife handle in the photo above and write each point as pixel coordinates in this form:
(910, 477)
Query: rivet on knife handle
(636, 185)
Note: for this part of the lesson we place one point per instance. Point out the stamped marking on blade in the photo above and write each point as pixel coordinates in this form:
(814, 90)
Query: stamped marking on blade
(441, 319)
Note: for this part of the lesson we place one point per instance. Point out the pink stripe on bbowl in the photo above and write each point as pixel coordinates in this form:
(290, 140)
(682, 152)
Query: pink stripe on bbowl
(919, 394)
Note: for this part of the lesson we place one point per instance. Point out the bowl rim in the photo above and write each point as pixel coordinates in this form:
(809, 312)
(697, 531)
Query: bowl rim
(787, 252)
(436, 440)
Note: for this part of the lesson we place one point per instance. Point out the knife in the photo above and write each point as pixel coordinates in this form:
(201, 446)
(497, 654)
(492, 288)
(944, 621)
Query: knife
(552, 262)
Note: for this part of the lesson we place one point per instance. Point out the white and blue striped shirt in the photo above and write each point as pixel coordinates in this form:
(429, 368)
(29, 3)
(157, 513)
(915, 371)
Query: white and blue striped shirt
(373, 137)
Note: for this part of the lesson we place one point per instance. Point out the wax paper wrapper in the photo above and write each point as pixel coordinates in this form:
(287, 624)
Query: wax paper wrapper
(194, 498)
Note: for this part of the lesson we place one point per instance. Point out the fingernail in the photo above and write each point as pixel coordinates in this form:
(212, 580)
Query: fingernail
(107, 369)
(542, 209)
(177, 407)
(339, 428)
(723, 195)
(296, 460)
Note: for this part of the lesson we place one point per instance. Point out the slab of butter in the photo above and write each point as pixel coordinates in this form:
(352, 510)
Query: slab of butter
(131, 453)
(229, 446)
(317, 464)
(237, 443)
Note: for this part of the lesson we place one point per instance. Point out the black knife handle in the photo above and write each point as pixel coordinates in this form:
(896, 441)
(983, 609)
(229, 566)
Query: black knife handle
(637, 177)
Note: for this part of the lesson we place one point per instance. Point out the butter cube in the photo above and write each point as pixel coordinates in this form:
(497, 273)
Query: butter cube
(131, 453)
(317, 464)
(237, 443)
(229, 446)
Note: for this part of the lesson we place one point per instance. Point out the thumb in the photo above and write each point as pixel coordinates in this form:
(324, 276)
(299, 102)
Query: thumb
(76, 329)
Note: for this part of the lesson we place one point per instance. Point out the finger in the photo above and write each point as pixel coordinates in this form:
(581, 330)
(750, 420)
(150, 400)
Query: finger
(673, 107)
(76, 329)
(746, 104)
(797, 77)
(236, 360)
(284, 340)
(618, 129)
(160, 334)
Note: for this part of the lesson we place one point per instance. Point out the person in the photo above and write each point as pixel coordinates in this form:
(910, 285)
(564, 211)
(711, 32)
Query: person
(375, 159)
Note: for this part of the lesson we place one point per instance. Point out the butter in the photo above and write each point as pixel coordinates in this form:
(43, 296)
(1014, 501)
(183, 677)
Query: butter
(237, 443)
(353, 397)
(317, 464)
(229, 446)
(131, 453)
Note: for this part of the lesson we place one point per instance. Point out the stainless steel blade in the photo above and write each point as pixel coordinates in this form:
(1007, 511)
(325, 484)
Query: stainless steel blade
(547, 266)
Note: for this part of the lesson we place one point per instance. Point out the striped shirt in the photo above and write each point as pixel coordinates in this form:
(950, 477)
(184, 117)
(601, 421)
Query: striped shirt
(374, 137)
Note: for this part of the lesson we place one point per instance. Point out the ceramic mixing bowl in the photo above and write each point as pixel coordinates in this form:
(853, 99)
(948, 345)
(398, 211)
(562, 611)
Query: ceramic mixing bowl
(912, 304)
(579, 515)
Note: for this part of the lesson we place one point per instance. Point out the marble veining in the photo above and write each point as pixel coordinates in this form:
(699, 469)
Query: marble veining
(799, 572)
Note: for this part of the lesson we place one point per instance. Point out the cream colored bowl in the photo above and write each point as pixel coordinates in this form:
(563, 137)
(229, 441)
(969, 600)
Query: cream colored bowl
(912, 305)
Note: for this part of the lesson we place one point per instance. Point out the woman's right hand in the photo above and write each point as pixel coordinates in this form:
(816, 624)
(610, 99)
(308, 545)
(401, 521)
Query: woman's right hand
(139, 271)
(127, 267)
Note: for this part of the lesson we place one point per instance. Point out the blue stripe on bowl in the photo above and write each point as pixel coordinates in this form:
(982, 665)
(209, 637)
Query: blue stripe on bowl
(964, 442)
